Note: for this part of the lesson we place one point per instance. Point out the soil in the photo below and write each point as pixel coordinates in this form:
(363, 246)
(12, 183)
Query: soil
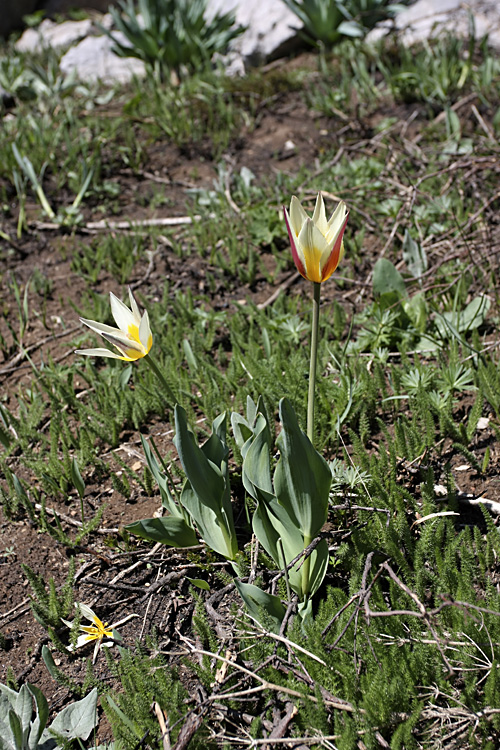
(120, 582)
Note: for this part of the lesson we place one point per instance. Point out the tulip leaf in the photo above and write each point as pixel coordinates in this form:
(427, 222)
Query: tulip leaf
(76, 478)
(16, 729)
(42, 715)
(256, 471)
(416, 310)
(206, 493)
(76, 720)
(199, 583)
(414, 256)
(319, 565)
(215, 448)
(454, 323)
(125, 376)
(241, 430)
(49, 662)
(388, 281)
(205, 477)
(167, 500)
(302, 478)
(215, 529)
(133, 726)
(265, 608)
(272, 523)
(172, 530)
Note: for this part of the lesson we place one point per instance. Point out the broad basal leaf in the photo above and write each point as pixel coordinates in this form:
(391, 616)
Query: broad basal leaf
(302, 478)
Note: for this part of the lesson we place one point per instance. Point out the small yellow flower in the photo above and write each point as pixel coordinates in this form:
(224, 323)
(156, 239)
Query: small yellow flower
(317, 246)
(132, 338)
(98, 631)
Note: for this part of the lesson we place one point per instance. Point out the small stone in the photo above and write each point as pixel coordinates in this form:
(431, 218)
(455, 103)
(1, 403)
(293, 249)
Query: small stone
(482, 423)
(55, 35)
(94, 60)
(440, 490)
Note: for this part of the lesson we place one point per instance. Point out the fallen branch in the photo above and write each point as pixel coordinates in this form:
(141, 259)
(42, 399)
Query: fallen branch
(105, 224)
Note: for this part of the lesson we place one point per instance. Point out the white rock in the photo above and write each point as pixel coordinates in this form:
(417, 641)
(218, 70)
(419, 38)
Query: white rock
(427, 18)
(270, 25)
(56, 35)
(440, 490)
(93, 60)
(482, 423)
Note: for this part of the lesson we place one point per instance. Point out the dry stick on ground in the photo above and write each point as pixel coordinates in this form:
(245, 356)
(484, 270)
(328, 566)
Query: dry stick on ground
(174, 575)
(33, 347)
(165, 734)
(289, 281)
(422, 614)
(364, 594)
(129, 224)
(73, 522)
(281, 726)
(264, 684)
(209, 604)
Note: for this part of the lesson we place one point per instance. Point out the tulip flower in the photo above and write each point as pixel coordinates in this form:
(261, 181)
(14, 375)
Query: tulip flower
(132, 338)
(317, 246)
(317, 249)
(98, 631)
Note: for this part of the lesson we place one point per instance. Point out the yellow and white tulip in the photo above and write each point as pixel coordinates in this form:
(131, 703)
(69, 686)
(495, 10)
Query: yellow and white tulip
(132, 338)
(317, 246)
(98, 631)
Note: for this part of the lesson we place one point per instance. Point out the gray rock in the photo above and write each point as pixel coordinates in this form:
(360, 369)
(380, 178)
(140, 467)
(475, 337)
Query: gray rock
(271, 27)
(93, 60)
(427, 18)
(55, 35)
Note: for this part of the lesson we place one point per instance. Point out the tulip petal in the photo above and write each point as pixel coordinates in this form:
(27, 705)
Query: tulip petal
(297, 215)
(99, 353)
(133, 305)
(128, 348)
(332, 261)
(122, 621)
(319, 215)
(329, 265)
(337, 221)
(313, 245)
(298, 259)
(100, 328)
(82, 640)
(86, 611)
(145, 336)
(96, 651)
(124, 318)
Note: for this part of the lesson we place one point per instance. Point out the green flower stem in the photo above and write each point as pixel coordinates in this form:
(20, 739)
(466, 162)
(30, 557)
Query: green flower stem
(154, 367)
(313, 361)
(306, 567)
